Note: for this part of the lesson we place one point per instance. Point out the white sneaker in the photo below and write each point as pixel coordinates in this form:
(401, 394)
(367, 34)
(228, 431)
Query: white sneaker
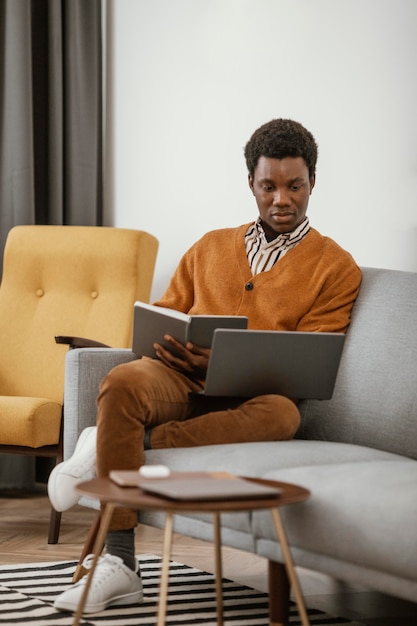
(67, 475)
(113, 584)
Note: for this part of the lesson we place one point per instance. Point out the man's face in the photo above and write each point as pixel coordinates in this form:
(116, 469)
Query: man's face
(282, 189)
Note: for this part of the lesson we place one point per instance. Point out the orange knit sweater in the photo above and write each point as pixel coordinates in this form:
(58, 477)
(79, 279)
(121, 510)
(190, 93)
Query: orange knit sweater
(312, 288)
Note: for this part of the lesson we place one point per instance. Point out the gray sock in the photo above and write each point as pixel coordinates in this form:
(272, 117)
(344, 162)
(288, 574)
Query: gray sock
(122, 543)
(147, 439)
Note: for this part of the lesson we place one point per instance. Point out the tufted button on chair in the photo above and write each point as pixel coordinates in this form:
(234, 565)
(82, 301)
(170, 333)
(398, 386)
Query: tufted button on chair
(68, 282)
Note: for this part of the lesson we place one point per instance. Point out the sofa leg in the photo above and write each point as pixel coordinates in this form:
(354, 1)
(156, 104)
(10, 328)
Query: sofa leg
(279, 594)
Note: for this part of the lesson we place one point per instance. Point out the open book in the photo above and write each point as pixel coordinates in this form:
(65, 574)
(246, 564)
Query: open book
(151, 323)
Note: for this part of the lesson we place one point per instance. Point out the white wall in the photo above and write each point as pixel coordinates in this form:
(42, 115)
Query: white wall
(190, 80)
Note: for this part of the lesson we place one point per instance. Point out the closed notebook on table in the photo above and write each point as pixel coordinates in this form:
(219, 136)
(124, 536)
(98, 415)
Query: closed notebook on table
(200, 489)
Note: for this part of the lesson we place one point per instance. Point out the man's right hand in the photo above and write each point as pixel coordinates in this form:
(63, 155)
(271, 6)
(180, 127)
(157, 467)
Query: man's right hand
(190, 360)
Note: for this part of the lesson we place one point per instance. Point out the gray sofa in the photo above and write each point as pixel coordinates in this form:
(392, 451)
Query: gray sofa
(356, 452)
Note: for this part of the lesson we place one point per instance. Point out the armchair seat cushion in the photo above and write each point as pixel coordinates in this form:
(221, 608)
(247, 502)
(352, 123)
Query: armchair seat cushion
(31, 422)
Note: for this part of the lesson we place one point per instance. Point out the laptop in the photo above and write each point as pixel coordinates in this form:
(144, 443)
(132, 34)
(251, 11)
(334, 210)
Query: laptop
(248, 363)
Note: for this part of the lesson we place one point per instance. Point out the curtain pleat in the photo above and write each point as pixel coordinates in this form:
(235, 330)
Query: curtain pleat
(17, 203)
(83, 147)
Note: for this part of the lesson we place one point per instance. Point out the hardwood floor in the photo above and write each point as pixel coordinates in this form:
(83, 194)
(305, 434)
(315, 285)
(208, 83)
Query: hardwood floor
(24, 522)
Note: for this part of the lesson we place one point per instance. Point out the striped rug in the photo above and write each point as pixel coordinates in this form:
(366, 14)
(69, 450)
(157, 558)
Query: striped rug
(28, 590)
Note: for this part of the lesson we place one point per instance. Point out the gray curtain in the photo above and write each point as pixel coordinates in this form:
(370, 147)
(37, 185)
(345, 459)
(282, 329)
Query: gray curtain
(50, 113)
(50, 127)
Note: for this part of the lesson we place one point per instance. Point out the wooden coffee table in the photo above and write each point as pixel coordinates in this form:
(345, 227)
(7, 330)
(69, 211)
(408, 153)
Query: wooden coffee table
(112, 495)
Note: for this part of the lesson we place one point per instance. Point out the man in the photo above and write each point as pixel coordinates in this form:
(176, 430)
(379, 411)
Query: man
(279, 272)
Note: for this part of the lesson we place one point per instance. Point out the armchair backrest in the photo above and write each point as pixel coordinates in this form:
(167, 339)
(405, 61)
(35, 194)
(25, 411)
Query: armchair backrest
(66, 280)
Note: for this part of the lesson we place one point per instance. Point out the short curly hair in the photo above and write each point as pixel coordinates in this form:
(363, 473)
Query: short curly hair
(278, 139)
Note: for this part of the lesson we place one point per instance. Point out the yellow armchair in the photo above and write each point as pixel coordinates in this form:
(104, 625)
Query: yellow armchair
(70, 281)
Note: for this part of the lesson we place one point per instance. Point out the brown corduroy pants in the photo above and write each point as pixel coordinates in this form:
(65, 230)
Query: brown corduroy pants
(146, 394)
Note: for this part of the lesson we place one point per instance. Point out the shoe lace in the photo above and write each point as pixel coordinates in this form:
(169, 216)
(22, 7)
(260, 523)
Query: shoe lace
(107, 567)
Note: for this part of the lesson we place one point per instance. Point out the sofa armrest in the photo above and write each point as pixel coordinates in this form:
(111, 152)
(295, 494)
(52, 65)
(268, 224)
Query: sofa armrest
(84, 370)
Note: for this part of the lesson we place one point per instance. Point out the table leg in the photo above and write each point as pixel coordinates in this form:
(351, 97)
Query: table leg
(219, 569)
(289, 564)
(98, 546)
(88, 548)
(166, 555)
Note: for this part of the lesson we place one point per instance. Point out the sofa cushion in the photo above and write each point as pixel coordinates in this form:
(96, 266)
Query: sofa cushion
(255, 460)
(361, 513)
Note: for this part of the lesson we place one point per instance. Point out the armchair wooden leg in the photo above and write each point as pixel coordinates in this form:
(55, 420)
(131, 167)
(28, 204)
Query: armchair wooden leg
(55, 517)
(88, 548)
(54, 526)
(279, 594)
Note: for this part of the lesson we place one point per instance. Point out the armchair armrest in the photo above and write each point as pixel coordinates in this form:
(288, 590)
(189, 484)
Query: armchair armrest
(84, 370)
(79, 342)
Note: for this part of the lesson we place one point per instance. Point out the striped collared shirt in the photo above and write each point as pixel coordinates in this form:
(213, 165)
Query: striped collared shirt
(262, 255)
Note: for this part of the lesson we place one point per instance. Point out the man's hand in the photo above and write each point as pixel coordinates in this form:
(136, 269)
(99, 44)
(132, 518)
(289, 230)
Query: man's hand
(191, 360)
